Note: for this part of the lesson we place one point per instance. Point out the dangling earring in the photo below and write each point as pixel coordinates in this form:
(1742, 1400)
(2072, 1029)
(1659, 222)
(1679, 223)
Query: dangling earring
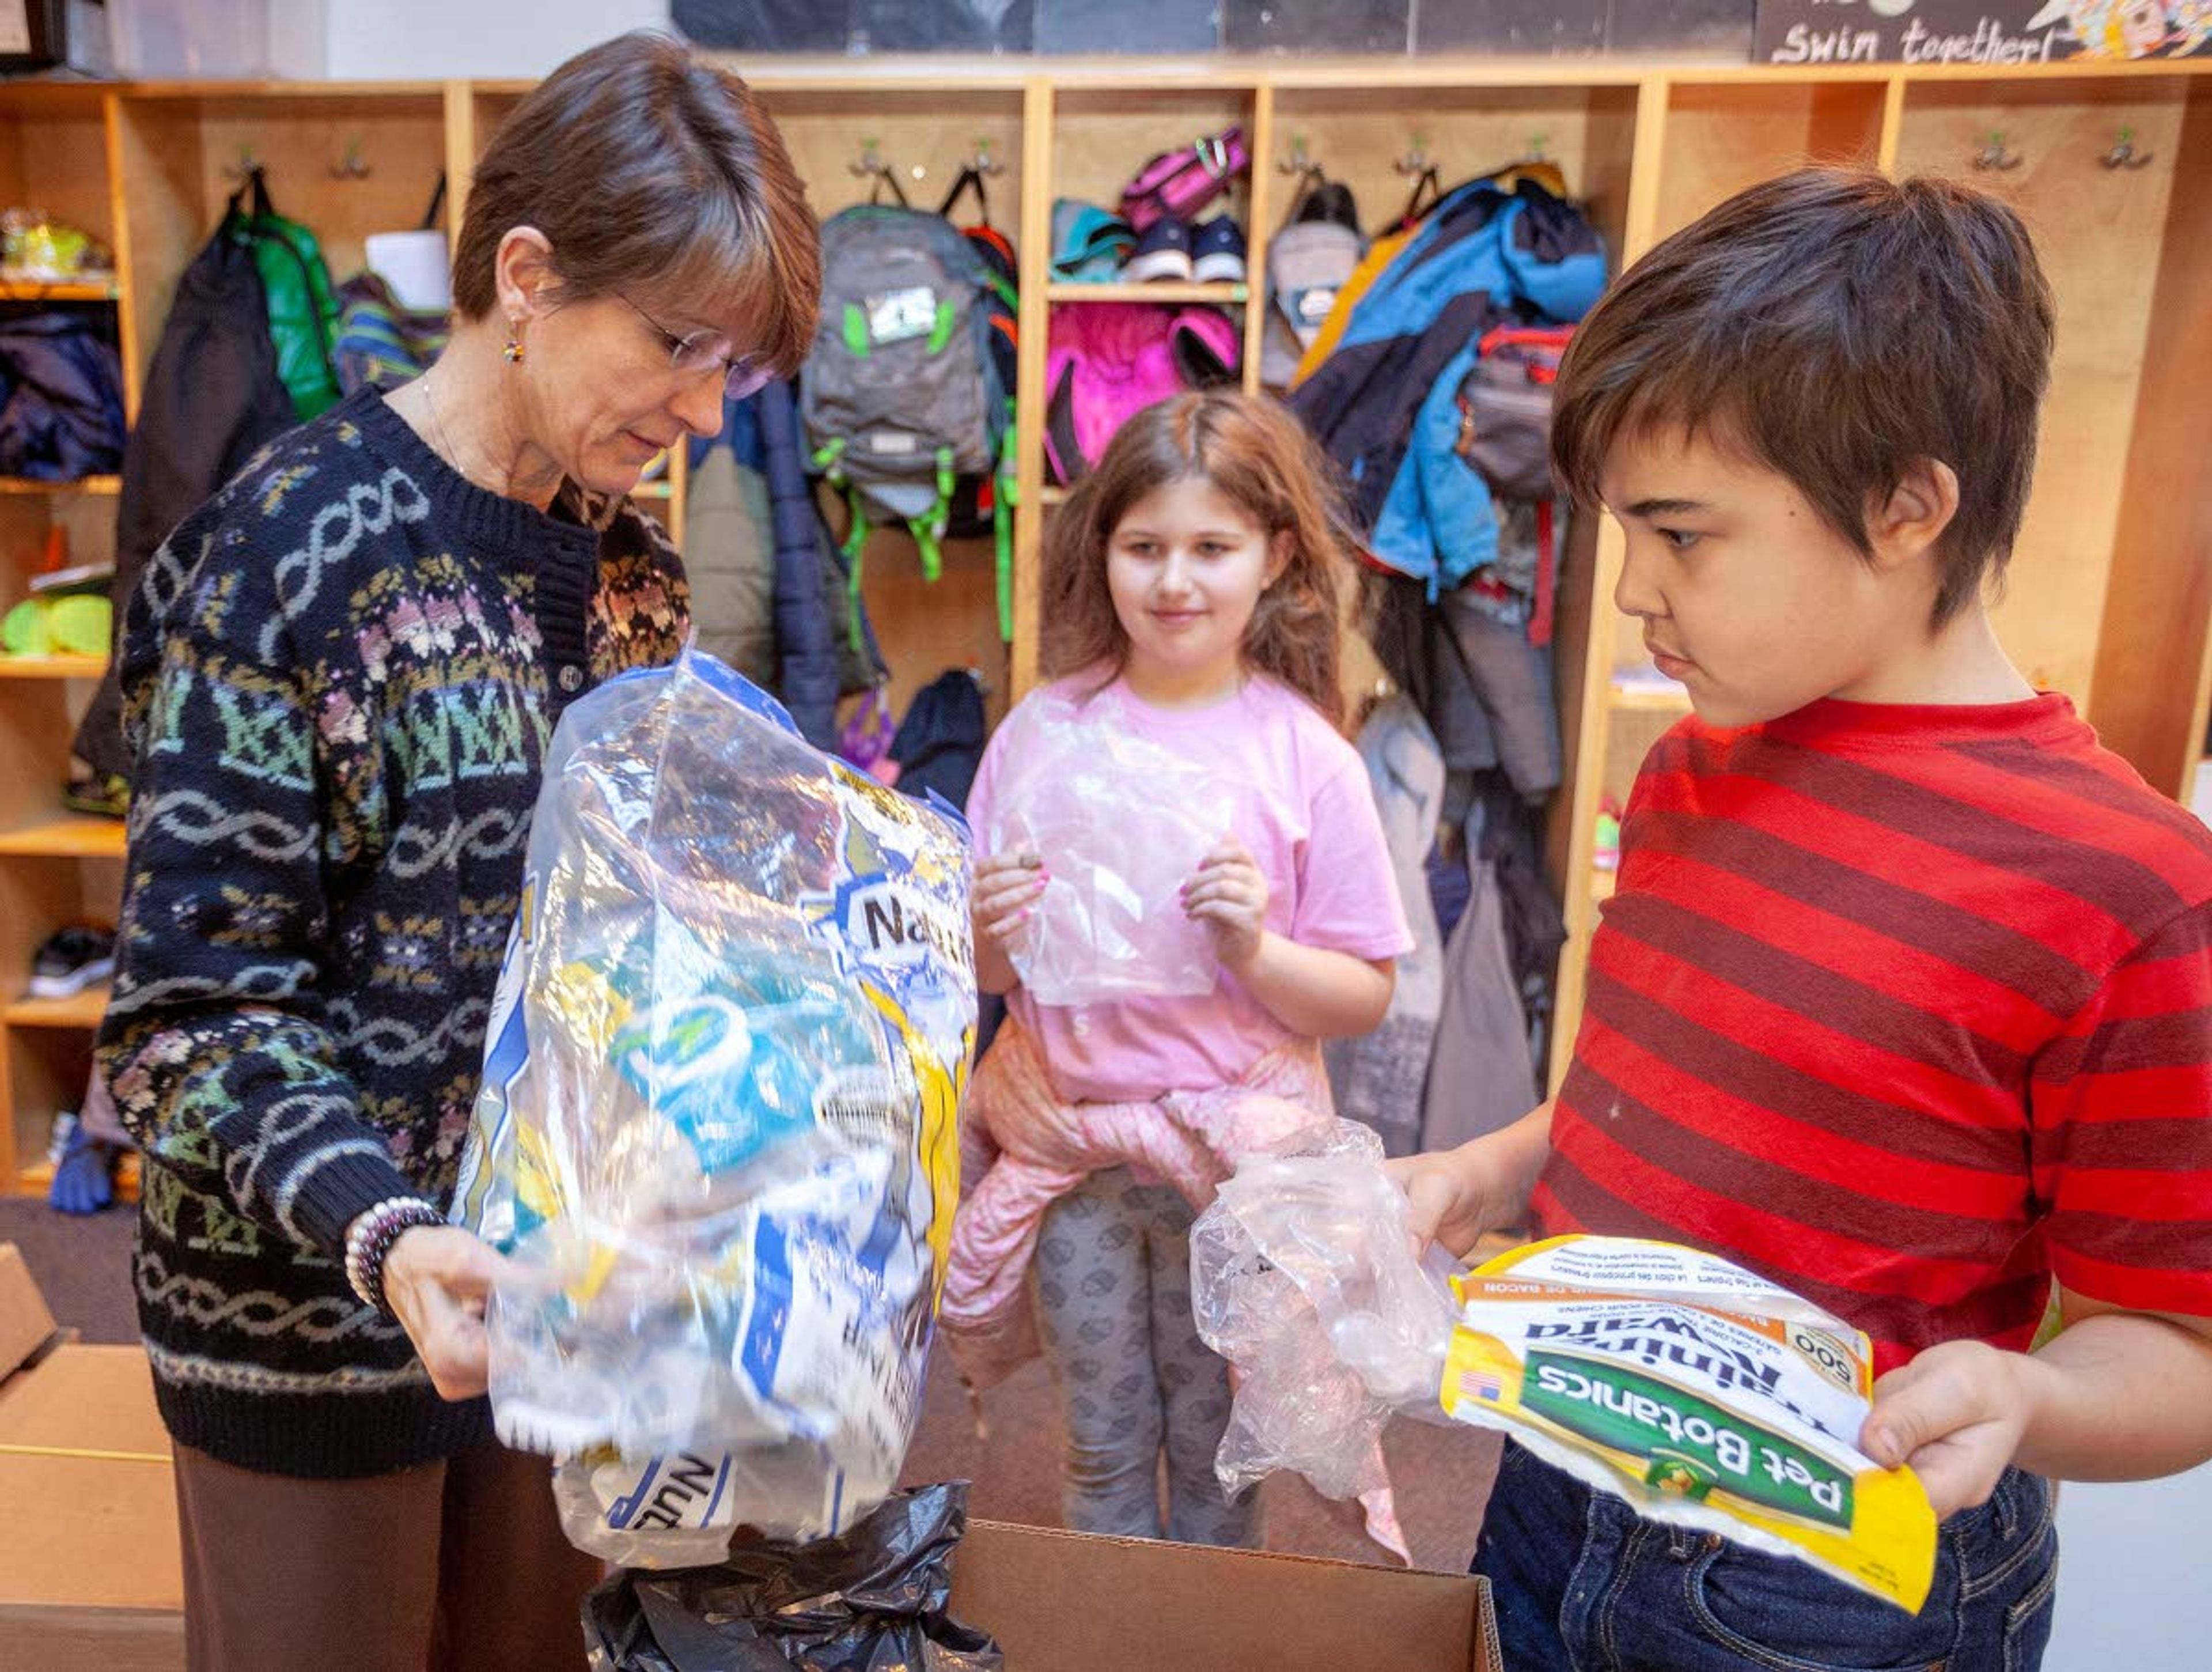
(513, 351)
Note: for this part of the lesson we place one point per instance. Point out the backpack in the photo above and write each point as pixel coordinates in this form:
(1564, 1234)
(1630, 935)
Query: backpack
(1107, 361)
(901, 395)
(1182, 182)
(1505, 408)
(303, 308)
(982, 506)
(1505, 437)
(380, 340)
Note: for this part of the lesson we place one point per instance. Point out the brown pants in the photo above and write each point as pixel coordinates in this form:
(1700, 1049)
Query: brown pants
(453, 1565)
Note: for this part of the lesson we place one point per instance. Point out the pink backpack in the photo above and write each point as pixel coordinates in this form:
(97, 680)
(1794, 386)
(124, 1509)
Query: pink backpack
(1181, 183)
(1105, 361)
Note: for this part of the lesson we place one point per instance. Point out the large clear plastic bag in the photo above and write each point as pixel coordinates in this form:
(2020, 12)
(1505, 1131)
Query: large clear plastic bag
(716, 1131)
(1303, 1276)
(1110, 923)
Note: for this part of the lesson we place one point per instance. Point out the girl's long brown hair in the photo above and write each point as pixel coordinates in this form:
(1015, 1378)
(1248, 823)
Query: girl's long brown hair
(1254, 454)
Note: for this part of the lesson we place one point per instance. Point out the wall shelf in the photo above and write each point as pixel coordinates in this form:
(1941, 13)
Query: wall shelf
(1224, 293)
(52, 667)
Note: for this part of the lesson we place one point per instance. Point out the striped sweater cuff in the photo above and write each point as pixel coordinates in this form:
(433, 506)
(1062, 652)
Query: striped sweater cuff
(331, 1194)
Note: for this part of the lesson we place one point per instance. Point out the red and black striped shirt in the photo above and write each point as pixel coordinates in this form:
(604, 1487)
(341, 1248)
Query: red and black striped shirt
(1909, 1009)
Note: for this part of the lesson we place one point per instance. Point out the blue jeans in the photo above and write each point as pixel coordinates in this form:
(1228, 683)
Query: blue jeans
(1583, 1583)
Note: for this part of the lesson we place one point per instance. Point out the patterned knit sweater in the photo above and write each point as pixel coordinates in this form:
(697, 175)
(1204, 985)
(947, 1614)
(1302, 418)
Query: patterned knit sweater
(342, 674)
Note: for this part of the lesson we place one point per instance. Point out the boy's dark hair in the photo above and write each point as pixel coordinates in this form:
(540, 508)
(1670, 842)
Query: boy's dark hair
(1835, 325)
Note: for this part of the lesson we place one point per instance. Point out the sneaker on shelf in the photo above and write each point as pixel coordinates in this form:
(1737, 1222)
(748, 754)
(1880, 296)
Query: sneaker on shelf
(70, 960)
(1164, 253)
(108, 796)
(1217, 249)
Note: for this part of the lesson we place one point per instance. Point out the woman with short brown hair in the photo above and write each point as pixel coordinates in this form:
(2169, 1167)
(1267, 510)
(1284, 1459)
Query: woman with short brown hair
(342, 673)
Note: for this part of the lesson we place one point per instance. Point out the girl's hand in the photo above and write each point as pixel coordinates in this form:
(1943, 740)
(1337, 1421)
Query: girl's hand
(1229, 896)
(1007, 887)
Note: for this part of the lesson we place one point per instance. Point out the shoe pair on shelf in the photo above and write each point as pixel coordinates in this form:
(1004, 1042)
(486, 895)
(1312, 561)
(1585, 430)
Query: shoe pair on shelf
(1211, 253)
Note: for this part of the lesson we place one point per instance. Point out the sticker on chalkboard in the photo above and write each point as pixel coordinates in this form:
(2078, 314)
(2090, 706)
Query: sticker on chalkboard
(2008, 31)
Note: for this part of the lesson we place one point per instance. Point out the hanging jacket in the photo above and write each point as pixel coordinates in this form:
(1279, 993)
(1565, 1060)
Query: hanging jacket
(729, 547)
(303, 307)
(939, 742)
(816, 663)
(61, 398)
(1378, 1077)
(1385, 402)
(212, 399)
(1481, 1075)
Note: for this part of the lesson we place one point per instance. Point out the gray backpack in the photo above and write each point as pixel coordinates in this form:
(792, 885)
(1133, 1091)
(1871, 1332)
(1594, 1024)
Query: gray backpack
(901, 397)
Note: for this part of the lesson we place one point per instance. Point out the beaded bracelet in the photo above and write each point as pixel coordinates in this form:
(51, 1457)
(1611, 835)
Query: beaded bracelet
(370, 1237)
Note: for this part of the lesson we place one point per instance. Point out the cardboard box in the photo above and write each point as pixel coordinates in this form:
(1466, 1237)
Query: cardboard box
(1057, 1601)
(90, 1576)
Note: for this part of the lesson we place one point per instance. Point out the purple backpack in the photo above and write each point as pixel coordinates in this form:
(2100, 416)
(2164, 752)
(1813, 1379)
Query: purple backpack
(1105, 361)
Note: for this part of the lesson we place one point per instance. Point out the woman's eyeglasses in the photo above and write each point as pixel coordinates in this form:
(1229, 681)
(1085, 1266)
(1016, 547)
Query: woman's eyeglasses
(707, 350)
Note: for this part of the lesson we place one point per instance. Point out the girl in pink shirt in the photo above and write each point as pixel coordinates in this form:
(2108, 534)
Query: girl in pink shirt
(1190, 602)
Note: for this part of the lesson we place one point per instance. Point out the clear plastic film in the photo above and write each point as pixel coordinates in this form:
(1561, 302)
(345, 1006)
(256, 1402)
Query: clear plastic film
(1701, 1393)
(716, 1131)
(1109, 924)
(1303, 1277)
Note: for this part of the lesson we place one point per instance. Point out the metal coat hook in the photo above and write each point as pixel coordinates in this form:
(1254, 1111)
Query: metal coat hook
(353, 166)
(872, 169)
(2124, 153)
(1537, 142)
(1299, 161)
(983, 162)
(1416, 161)
(1993, 154)
(244, 168)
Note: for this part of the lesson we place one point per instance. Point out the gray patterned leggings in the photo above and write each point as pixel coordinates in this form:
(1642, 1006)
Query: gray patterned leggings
(1113, 1311)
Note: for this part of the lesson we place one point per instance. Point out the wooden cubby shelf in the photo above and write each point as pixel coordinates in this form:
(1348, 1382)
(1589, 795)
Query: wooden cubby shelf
(83, 484)
(2110, 597)
(1226, 292)
(67, 838)
(80, 1011)
(52, 667)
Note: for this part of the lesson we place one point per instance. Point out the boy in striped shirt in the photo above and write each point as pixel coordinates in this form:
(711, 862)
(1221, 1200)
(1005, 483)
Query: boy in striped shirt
(1905, 999)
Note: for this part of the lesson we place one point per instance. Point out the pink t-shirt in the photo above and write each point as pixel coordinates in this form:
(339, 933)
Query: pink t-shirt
(1304, 811)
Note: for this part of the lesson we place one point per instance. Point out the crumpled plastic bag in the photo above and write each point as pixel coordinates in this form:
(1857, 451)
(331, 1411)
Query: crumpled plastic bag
(1701, 1393)
(1303, 1277)
(716, 1135)
(871, 1601)
(1110, 923)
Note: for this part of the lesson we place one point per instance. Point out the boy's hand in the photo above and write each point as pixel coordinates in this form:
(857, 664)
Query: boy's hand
(1451, 1195)
(1007, 887)
(1229, 896)
(1955, 1413)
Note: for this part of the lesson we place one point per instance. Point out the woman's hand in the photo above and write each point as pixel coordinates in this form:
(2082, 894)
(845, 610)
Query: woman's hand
(436, 1281)
(1229, 895)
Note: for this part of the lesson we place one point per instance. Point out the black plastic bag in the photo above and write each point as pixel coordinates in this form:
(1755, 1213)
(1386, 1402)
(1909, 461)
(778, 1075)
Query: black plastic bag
(873, 1601)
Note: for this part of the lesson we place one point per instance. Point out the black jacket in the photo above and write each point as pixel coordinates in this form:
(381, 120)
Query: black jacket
(212, 399)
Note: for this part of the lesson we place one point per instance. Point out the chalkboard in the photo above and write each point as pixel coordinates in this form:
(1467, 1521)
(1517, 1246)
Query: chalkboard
(1989, 32)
